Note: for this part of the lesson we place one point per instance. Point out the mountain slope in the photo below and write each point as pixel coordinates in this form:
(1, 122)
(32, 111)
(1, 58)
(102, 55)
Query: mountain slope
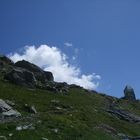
(81, 115)
(77, 114)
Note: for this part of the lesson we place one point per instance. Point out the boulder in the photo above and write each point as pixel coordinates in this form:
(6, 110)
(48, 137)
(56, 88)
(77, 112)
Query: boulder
(7, 111)
(4, 106)
(30, 109)
(22, 77)
(11, 113)
(39, 74)
(129, 94)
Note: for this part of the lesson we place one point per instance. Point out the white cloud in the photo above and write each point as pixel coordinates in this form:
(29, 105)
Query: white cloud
(68, 44)
(52, 59)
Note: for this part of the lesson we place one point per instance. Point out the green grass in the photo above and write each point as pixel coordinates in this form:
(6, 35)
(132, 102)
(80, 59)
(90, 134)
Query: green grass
(78, 119)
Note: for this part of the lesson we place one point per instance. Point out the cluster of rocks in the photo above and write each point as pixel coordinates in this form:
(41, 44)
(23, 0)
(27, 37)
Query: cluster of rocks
(124, 115)
(29, 75)
(7, 111)
(25, 127)
(120, 113)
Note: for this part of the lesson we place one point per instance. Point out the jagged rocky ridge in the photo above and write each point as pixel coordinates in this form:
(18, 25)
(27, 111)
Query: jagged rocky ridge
(29, 75)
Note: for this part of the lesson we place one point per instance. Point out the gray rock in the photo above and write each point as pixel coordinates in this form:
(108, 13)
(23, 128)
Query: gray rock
(107, 128)
(126, 137)
(11, 113)
(25, 127)
(30, 109)
(124, 115)
(7, 111)
(49, 76)
(4, 107)
(129, 93)
(22, 77)
(55, 101)
(10, 134)
(33, 109)
(4, 60)
(44, 138)
(11, 103)
(39, 74)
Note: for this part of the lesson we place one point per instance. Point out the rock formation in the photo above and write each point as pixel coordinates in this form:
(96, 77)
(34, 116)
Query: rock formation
(26, 74)
(21, 77)
(39, 74)
(129, 94)
(5, 60)
(7, 111)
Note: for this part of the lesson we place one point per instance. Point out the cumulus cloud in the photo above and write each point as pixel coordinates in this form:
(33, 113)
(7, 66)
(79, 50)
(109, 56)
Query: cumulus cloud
(52, 59)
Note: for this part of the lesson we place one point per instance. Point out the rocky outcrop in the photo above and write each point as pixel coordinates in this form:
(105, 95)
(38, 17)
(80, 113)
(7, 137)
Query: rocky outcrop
(39, 74)
(5, 61)
(126, 137)
(49, 76)
(56, 87)
(29, 75)
(5, 65)
(22, 77)
(124, 115)
(25, 127)
(129, 94)
(7, 111)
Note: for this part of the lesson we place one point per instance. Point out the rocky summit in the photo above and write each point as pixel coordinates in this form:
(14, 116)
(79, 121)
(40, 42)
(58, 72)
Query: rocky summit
(129, 93)
(35, 107)
(26, 74)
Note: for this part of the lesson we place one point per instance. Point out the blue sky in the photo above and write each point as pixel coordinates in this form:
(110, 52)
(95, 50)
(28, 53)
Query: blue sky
(104, 35)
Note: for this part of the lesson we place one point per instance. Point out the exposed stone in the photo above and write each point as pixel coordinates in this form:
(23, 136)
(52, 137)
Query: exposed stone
(4, 107)
(25, 127)
(49, 76)
(11, 103)
(4, 60)
(56, 87)
(33, 110)
(10, 134)
(126, 137)
(124, 115)
(11, 113)
(129, 93)
(55, 130)
(30, 109)
(7, 111)
(44, 138)
(55, 101)
(39, 74)
(22, 77)
(29, 75)
(107, 128)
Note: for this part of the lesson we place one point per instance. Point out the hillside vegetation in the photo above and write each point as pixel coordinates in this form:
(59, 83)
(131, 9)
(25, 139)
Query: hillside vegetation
(75, 114)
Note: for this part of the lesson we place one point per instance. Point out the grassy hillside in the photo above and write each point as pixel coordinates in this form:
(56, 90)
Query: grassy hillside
(77, 115)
